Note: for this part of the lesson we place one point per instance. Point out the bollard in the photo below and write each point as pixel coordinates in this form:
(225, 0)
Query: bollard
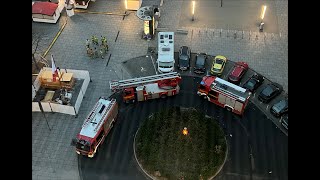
(242, 34)
(249, 35)
(220, 32)
(257, 37)
(235, 34)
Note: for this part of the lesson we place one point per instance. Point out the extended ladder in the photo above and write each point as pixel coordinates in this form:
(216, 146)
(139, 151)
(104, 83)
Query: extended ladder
(116, 85)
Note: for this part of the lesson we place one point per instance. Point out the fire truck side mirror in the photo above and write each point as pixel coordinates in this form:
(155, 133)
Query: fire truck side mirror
(74, 142)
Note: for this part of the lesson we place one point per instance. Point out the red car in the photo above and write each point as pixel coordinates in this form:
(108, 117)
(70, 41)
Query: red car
(239, 69)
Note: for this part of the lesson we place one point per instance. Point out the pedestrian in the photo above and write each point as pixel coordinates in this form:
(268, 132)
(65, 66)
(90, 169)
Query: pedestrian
(87, 43)
(94, 40)
(101, 52)
(95, 52)
(104, 41)
(90, 52)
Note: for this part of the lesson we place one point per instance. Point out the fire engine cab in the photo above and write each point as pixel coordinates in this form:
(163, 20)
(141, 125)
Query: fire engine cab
(149, 87)
(96, 127)
(223, 93)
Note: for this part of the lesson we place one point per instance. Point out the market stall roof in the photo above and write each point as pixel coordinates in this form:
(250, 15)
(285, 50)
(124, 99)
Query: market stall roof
(45, 8)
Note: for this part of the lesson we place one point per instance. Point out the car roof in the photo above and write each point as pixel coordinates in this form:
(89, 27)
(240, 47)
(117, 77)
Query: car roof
(237, 69)
(200, 60)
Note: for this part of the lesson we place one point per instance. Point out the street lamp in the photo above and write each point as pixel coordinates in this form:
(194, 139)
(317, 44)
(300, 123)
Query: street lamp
(263, 11)
(193, 4)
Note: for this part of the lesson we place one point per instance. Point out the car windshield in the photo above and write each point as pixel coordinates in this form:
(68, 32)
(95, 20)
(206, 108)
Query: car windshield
(219, 61)
(165, 64)
(183, 57)
(280, 105)
(268, 90)
(83, 145)
(251, 83)
(200, 62)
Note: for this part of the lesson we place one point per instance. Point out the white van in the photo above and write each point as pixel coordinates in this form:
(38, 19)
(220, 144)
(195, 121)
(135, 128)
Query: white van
(165, 52)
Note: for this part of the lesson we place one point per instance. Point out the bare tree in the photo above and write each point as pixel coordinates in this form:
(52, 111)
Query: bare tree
(37, 59)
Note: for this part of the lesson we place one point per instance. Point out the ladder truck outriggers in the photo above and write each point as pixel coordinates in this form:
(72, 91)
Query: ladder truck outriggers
(148, 87)
(96, 127)
(223, 93)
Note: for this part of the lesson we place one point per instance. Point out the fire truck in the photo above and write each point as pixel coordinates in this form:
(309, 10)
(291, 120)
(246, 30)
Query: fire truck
(149, 87)
(96, 127)
(223, 93)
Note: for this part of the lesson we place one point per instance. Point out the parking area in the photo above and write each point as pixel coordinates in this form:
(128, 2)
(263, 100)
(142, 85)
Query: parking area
(148, 67)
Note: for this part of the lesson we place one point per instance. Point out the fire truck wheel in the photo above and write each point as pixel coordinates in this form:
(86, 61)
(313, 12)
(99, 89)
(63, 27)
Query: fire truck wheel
(228, 108)
(204, 97)
(163, 96)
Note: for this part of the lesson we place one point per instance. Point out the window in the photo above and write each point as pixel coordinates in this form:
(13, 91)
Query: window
(165, 49)
(161, 36)
(166, 35)
(170, 36)
(162, 41)
(213, 94)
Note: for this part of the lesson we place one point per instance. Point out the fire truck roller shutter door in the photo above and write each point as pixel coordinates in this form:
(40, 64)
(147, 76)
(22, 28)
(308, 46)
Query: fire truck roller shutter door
(230, 102)
(222, 99)
(238, 106)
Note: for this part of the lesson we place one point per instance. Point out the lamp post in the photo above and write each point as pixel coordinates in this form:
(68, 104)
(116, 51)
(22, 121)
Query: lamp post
(126, 4)
(193, 4)
(263, 11)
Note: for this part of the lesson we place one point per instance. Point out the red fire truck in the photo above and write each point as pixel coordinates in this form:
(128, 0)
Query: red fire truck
(223, 93)
(96, 127)
(149, 87)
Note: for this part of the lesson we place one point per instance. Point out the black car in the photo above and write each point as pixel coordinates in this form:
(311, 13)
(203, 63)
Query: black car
(269, 92)
(279, 108)
(284, 121)
(253, 82)
(184, 58)
(199, 66)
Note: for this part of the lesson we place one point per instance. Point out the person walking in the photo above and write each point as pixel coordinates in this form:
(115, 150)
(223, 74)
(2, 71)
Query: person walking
(95, 52)
(87, 43)
(102, 52)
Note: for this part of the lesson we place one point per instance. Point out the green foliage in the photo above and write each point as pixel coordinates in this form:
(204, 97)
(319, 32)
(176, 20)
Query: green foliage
(162, 147)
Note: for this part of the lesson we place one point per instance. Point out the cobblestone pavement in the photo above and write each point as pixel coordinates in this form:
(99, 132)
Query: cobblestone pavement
(52, 155)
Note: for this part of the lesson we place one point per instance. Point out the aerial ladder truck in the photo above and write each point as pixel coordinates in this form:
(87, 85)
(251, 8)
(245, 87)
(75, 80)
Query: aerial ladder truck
(148, 87)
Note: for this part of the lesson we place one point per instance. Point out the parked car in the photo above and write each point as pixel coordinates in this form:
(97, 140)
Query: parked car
(253, 82)
(218, 64)
(239, 69)
(284, 121)
(184, 58)
(269, 92)
(199, 66)
(279, 108)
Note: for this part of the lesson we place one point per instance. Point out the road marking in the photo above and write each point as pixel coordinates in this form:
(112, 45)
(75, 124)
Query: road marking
(155, 70)
(55, 38)
(143, 69)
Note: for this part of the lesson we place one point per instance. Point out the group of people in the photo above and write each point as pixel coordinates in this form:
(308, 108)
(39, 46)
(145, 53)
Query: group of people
(94, 49)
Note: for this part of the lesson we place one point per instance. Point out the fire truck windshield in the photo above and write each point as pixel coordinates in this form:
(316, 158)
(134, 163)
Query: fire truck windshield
(83, 145)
